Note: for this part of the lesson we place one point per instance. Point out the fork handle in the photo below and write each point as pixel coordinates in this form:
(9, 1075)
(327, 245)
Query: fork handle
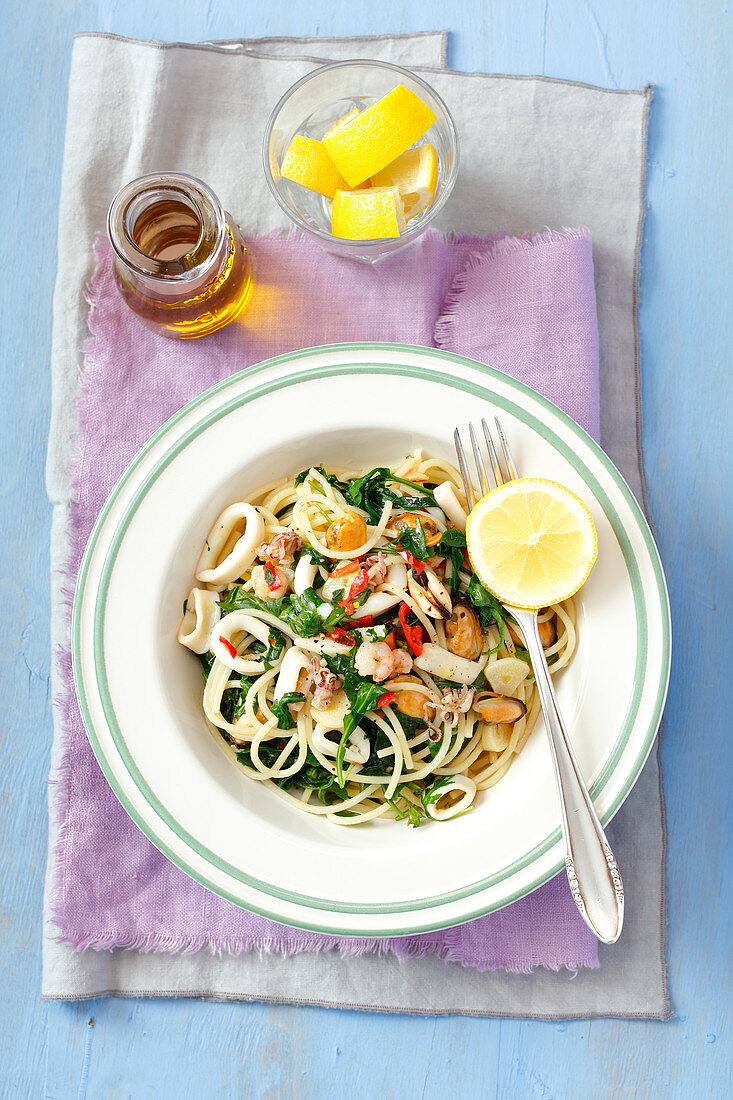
(593, 875)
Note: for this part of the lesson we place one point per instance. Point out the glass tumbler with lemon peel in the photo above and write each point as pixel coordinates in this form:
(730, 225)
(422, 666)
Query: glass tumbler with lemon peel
(362, 156)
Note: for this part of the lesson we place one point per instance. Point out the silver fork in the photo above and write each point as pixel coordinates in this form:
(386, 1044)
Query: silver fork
(593, 874)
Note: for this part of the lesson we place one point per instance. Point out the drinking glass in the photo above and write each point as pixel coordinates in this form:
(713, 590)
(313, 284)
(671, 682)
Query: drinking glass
(312, 106)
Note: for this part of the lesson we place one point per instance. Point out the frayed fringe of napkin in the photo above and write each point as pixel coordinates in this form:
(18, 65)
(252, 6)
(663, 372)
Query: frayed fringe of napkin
(500, 245)
(266, 946)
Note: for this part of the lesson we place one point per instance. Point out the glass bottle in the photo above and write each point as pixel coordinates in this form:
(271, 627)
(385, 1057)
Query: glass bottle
(180, 260)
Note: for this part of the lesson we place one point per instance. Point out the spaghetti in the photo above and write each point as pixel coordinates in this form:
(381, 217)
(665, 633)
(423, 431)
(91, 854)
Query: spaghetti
(353, 660)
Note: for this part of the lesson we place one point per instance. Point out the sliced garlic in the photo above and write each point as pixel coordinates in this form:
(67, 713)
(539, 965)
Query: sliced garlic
(231, 544)
(332, 717)
(495, 738)
(506, 674)
(199, 619)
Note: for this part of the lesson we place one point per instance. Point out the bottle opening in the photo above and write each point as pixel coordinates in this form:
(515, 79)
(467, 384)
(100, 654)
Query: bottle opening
(167, 229)
(167, 226)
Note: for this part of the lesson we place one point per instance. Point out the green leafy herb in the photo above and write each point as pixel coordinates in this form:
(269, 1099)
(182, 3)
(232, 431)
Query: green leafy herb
(363, 695)
(332, 480)
(431, 794)
(281, 709)
(234, 700)
(489, 609)
(236, 599)
(452, 544)
(342, 663)
(269, 751)
(207, 660)
(371, 492)
(408, 809)
(376, 633)
(412, 539)
(301, 613)
(276, 645)
(312, 553)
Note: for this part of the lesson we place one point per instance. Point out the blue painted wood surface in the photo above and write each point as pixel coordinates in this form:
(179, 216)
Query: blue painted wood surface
(164, 1049)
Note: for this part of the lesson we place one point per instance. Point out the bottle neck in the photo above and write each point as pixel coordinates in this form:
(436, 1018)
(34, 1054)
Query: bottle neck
(168, 230)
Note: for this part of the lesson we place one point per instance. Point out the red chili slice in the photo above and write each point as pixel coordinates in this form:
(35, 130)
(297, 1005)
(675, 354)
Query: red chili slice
(275, 583)
(386, 699)
(359, 583)
(338, 634)
(413, 634)
(228, 646)
(412, 561)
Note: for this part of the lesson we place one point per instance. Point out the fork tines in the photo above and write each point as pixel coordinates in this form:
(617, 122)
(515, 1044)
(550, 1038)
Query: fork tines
(498, 475)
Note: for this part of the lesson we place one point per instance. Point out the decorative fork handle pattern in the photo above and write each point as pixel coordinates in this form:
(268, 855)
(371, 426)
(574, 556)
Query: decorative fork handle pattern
(593, 874)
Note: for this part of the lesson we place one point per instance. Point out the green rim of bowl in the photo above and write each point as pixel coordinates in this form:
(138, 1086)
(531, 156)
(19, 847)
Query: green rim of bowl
(562, 445)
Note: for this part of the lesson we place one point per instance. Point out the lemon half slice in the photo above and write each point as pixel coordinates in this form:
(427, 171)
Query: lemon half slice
(415, 174)
(367, 215)
(376, 136)
(531, 542)
(307, 162)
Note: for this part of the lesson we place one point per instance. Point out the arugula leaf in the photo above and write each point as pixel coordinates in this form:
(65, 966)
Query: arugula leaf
(341, 663)
(312, 553)
(452, 537)
(330, 478)
(276, 644)
(207, 660)
(363, 695)
(281, 710)
(412, 539)
(432, 794)
(233, 700)
(452, 544)
(301, 613)
(236, 599)
(298, 612)
(408, 809)
(371, 492)
(268, 753)
(488, 607)
(313, 775)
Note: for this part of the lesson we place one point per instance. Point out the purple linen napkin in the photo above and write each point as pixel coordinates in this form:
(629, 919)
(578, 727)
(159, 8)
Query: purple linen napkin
(526, 306)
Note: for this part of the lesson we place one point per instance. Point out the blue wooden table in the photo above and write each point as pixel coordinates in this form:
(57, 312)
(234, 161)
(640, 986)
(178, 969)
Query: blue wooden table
(169, 1049)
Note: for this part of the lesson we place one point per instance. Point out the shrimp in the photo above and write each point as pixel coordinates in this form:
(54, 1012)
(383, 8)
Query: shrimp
(377, 660)
(260, 584)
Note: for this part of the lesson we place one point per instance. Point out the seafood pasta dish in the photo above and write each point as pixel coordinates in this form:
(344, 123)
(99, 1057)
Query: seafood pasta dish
(352, 659)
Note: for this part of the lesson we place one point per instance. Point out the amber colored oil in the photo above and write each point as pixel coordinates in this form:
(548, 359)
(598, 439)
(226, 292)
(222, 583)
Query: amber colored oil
(171, 232)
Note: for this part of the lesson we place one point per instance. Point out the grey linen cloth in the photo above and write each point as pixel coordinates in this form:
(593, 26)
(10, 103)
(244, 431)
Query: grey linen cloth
(535, 152)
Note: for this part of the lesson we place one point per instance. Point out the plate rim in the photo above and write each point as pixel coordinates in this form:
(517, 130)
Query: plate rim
(246, 395)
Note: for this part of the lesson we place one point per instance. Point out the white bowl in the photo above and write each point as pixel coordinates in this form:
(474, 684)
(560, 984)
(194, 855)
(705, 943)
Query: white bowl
(140, 692)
